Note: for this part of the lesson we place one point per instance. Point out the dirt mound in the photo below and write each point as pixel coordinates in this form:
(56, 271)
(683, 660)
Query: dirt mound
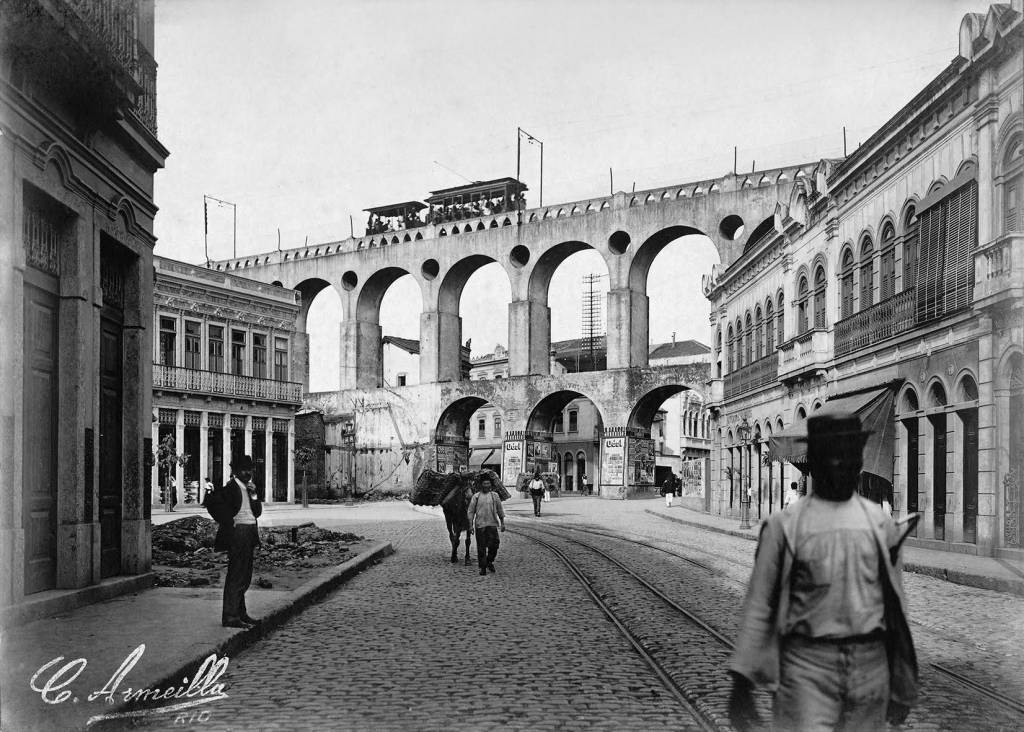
(183, 554)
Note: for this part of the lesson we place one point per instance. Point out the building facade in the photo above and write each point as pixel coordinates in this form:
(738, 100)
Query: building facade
(891, 284)
(227, 380)
(78, 148)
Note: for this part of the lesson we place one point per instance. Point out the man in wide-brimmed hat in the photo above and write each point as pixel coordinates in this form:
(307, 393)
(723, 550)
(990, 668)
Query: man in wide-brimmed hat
(824, 622)
(236, 507)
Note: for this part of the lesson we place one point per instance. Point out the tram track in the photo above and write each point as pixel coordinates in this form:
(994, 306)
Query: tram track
(969, 685)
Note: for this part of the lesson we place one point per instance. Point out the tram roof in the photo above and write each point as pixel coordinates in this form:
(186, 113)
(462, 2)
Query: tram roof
(497, 186)
(396, 209)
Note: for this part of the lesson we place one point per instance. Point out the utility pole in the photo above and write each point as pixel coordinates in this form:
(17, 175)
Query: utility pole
(234, 225)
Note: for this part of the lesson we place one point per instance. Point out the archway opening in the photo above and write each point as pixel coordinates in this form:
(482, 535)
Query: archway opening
(572, 279)
(452, 435)
(563, 434)
(320, 320)
(678, 326)
(398, 314)
(478, 291)
(669, 436)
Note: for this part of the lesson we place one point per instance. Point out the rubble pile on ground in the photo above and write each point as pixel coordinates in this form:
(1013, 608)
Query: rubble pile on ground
(183, 554)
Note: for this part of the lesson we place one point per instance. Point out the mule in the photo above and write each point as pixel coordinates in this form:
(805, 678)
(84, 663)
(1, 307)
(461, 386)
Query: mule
(454, 506)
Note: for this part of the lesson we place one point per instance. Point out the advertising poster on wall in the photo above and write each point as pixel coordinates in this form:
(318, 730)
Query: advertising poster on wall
(538, 456)
(692, 474)
(511, 461)
(641, 458)
(613, 460)
(452, 458)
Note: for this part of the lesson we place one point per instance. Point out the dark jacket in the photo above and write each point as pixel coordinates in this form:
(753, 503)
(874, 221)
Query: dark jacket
(223, 504)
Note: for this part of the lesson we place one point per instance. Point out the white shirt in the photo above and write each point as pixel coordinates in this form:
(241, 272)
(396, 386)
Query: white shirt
(244, 515)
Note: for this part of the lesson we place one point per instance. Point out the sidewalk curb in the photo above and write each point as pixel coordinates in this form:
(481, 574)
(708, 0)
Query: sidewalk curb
(955, 576)
(302, 597)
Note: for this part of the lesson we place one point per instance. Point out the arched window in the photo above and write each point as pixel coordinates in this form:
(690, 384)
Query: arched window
(739, 343)
(802, 290)
(887, 283)
(867, 273)
(910, 253)
(1013, 172)
(819, 297)
(846, 283)
(748, 340)
(780, 331)
(758, 333)
(730, 343)
(769, 322)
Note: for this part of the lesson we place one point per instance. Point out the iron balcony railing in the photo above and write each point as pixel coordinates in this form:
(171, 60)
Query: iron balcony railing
(892, 316)
(194, 381)
(754, 375)
(115, 25)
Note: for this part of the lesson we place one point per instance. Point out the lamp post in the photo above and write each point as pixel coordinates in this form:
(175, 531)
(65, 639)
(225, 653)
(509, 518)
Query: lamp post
(349, 439)
(743, 432)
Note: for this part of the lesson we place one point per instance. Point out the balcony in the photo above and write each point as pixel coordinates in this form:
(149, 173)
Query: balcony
(231, 386)
(716, 393)
(806, 355)
(761, 372)
(892, 316)
(999, 272)
(89, 53)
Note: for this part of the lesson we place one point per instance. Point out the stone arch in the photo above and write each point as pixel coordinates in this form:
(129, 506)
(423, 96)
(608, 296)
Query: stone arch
(799, 412)
(371, 294)
(454, 420)
(308, 290)
(450, 292)
(764, 229)
(937, 393)
(646, 253)
(642, 414)
(907, 400)
(547, 263)
(966, 386)
(544, 411)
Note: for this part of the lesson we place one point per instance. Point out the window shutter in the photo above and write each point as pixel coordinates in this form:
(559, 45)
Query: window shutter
(929, 268)
(1011, 211)
(819, 308)
(866, 283)
(910, 258)
(888, 283)
(961, 235)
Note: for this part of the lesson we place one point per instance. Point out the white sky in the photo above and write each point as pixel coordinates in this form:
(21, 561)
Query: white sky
(304, 113)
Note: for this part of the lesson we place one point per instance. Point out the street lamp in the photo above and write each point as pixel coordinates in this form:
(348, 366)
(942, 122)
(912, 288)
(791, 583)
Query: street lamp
(349, 440)
(744, 434)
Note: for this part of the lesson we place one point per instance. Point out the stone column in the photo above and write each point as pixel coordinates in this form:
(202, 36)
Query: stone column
(440, 347)
(529, 338)
(291, 461)
(298, 368)
(268, 461)
(986, 117)
(360, 355)
(179, 447)
(954, 478)
(78, 547)
(627, 327)
(154, 472)
(988, 442)
(247, 439)
(225, 447)
(204, 449)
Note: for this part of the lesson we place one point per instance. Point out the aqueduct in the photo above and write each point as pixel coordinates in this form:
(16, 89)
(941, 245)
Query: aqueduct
(407, 425)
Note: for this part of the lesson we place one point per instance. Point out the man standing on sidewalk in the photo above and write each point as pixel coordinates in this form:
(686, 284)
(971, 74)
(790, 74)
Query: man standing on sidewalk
(485, 514)
(235, 507)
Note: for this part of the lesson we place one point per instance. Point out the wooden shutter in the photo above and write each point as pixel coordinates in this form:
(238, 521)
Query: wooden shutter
(867, 272)
(888, 279)
(1011, 210)
(910, 258)
(929, 267)
(961, 237)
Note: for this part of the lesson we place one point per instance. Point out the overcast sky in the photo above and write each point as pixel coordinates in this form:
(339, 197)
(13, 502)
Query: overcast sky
(304, 113)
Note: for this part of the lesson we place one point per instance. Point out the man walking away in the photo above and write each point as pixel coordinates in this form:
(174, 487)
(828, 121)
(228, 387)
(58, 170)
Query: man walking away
(536, 491)
(485, 514)
(824, 621)
(668, 490)
(792, 495)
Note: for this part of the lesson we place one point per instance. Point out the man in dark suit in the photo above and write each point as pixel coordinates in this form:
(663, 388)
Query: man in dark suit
(236, 507)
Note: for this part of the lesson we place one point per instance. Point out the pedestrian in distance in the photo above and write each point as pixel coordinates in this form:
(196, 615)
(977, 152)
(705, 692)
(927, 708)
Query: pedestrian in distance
(236, 507)
(537, 488)
(485, 515)
(824, 621)
(792, 495)
(668, 491)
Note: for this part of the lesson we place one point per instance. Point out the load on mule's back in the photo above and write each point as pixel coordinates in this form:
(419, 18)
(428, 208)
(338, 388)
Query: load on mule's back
(452, 492)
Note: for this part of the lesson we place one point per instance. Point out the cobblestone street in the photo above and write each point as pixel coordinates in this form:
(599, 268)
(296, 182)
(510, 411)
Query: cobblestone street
(419, 643)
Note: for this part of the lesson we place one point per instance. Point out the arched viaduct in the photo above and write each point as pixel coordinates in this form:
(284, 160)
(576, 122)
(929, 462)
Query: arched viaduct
(627, 229)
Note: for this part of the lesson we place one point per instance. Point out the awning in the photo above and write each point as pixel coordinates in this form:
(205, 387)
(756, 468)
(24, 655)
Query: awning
(479, 457)
(875, 411)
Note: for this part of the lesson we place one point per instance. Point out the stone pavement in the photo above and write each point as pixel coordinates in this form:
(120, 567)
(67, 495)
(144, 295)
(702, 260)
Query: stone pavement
(529, 630)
